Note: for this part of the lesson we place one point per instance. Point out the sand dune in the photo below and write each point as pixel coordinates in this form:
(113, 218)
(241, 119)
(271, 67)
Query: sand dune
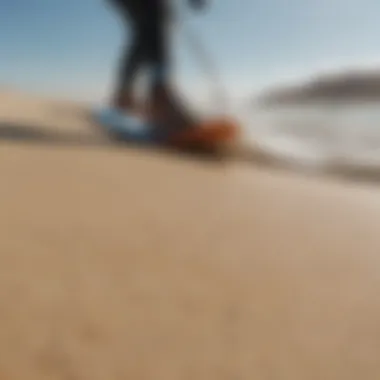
(119, 264)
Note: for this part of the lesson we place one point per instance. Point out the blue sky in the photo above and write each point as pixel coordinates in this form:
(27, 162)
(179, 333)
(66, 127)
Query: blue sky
(70, 47)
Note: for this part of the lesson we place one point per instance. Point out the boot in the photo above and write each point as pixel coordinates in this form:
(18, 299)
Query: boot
(167, 112)
(124, 102)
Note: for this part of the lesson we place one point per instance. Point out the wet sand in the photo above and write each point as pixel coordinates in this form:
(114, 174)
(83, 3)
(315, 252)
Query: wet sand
(123, 264)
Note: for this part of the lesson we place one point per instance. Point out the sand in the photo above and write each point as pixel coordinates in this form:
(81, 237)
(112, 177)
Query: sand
(123, 264)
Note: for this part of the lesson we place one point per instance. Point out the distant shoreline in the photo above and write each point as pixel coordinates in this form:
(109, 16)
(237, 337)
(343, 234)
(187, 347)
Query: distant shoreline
(356, 85)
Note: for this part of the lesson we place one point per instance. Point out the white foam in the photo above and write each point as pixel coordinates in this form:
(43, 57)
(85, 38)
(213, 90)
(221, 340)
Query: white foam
(320, 137)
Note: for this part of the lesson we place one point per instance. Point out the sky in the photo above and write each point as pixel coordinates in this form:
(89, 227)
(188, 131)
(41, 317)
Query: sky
(71, 47)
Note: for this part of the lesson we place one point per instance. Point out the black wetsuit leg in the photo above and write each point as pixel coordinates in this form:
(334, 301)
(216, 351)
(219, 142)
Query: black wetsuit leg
(147, 20)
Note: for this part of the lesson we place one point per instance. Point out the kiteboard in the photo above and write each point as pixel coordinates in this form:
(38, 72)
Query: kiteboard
(125, 127)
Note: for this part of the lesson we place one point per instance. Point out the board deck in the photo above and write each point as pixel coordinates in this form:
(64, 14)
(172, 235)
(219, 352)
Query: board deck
(125, 127)
(131, 129)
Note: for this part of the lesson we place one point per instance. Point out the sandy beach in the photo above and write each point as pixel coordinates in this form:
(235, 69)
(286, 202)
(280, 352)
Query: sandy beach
(118, 263)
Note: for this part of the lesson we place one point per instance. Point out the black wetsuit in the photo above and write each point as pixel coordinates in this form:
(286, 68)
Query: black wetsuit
(148, 21)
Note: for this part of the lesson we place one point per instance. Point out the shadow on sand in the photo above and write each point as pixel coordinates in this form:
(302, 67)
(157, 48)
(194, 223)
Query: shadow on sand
(31, 134)
(13, 132)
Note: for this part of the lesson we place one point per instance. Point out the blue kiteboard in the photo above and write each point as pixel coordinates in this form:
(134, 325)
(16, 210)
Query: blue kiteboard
(127, 127)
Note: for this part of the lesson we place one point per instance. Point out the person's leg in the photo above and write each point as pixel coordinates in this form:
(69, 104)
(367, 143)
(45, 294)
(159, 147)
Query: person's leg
(165, 108)
(156, 41)
(169, 113)
(130, 65)
(132, 58)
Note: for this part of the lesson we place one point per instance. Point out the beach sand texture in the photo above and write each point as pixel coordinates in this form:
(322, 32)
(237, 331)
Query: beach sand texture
(117, 263)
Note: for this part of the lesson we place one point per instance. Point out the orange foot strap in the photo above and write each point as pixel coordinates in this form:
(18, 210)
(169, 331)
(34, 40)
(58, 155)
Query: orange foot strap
(208, 134)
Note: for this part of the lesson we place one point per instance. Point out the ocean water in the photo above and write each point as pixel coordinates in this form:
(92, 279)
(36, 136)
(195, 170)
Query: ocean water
(324, 135)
